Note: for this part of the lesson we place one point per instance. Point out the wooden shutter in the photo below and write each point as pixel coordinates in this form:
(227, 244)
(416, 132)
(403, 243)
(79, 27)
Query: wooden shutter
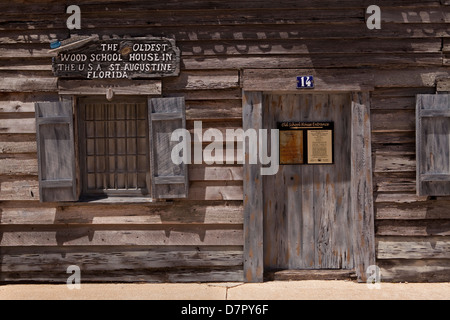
(433, 144)
(169, 180)
(56, 151)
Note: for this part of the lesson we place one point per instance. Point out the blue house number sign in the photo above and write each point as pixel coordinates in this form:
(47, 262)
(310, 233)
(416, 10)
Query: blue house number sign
(305, 82)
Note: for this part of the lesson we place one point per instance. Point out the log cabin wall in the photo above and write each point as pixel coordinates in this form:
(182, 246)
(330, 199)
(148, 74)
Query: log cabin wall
(201, 238)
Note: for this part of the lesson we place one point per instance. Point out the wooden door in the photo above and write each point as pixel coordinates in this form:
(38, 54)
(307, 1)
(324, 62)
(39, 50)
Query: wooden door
(307, 218)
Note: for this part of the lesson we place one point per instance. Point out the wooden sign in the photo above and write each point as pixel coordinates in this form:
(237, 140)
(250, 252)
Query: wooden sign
(306, 142)
(119, 59)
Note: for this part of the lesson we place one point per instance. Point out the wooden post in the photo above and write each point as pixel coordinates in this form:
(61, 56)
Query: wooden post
(362, 188)
(253, 195)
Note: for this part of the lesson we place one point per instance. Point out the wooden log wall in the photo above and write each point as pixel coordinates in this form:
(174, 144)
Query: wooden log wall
(201, 239)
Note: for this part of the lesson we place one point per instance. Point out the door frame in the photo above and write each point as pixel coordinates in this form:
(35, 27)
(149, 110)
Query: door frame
(363, 230)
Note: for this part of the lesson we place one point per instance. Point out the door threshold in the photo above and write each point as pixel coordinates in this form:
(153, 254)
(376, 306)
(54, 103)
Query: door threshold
(310, 274)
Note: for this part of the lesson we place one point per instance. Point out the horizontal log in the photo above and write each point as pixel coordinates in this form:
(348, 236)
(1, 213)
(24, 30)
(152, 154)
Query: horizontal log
(393, 120)
(87, 236)
(120, 258)
(394, 162)
(394, 184)
(145, 17)
(423, 270)
(74, 214)
(203, 80)
(213, 110)
(37, 84)
(17, 148)
(329, 60)
(413, 248)
(215, 191)
(19, 188)
(203, 95)
(379, 93)
(22, 102)
(358, 30)
(443, 85)
(418, 211)
(315, 46)
(215, 173)
(393, 103)
(399, 198)
(18, 125)
(168, 275)
(331, 80)
(27, 189)
(39, 52)
(119, 87)
(10, 166)
(393, 138)
(53, 5)
(413, 228)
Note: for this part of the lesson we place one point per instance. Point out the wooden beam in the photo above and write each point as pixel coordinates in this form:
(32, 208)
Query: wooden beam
(253, 195)
(119, 87)
(361, 186)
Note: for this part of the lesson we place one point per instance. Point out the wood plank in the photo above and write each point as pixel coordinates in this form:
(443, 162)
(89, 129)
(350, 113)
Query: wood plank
(330, 80)
(413, 228)
(416, 211)
(443, 85)
(394, 184)
(21, 147)
(394, 162)
(252, 193)
(102, 259)
(393, 120)
(399, 198)
(11, 167)
(215, 173)
(33, 213)
(394, 138)
(329, 60)
(18, 125)
(136, 236)
(213, 110)
(119, 17)
(172, 275)
(23, 102)
(203, 80)
(19, 188)
(361, 190)
(229, 190)
(304, 275)
(53, 5)
(422, 270)
(314, 46)
(413, 248)
(119, 87)
(30, 84)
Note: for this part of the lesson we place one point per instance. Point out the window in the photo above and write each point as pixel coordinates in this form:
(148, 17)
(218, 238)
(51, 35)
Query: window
(433, 144)
(113, 142)
(124, 148)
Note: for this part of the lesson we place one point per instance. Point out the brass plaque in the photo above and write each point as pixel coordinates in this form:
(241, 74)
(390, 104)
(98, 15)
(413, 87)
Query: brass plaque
(320, 146)
(291, 147)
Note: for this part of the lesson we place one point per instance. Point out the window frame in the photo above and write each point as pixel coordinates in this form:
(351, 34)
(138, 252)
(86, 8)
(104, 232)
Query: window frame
(80, 137)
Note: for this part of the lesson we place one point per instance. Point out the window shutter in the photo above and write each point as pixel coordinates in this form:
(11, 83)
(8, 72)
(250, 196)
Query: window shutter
(56, 151)
(169, 180)
(433, 144)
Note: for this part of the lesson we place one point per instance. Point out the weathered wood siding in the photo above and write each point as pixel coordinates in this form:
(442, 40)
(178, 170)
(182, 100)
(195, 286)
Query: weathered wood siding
(202, 238)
